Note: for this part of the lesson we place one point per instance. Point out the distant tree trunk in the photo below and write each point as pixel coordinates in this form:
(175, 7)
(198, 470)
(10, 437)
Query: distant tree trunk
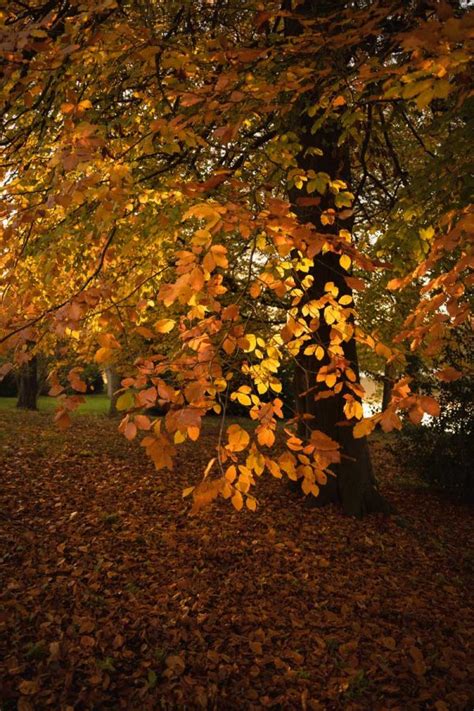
(28, 385)
(388, 377)
(113, 384)
(354, 487)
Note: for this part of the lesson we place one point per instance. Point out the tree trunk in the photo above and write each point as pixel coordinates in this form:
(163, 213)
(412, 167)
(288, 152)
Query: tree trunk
(354, 486)
(28, 385)
(113, 384)
(388, 378)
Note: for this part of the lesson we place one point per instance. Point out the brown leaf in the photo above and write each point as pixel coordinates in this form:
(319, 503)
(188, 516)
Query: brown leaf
(28, 688)
(418, 666)
(87, 641)
(256, 647)
(389, 643)
(175, 664)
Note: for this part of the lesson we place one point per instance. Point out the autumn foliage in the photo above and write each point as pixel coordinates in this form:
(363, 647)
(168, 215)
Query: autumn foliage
(157, 215)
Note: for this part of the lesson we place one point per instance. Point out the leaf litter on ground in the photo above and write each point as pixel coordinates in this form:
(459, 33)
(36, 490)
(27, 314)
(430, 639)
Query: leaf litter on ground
(115, 598)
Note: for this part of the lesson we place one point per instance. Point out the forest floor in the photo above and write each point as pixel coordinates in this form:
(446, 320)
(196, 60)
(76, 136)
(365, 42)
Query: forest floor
(115, 598)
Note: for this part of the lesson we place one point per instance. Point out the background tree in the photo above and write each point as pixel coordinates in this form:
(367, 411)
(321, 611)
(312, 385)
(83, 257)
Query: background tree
(28, 385)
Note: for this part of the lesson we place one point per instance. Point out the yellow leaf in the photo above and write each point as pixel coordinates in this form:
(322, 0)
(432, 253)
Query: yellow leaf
(187, 491)
(241, 397)
(425, 98)
(226, 490)
(427, 234)
(209, 466)
(249, 342)
(345, 300)
(331, 288)
(363, 428)
(319, 353)
(205, 211)
(345, 261)
(164, 325)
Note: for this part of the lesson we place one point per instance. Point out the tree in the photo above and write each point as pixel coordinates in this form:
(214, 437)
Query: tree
(28, 385)
(165, 165)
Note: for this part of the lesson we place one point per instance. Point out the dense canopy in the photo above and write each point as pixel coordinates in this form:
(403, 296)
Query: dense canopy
(201, 194)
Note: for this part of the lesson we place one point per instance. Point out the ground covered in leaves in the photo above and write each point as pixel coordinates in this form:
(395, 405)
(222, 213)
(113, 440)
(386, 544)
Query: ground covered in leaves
(114, 598)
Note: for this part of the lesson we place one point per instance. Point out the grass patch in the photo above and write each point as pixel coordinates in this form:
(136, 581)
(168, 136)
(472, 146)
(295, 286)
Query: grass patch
(94, 404)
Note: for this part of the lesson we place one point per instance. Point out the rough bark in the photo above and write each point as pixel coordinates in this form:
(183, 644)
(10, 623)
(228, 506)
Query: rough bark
(28, 385)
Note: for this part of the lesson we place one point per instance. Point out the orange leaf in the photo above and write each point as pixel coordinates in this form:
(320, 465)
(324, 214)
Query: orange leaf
(142, 422)
(130, 430)
(265, 436)
(145, 332)
(204, 493)
(251, 503)
(103, 355)
(338, 101)
(62, 420)
(238, 438)
(322, 442)
(448, 374)
(390, 421)
(429, 405)
(237, 501)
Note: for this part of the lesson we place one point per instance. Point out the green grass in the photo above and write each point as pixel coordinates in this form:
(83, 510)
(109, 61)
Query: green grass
(94, 404)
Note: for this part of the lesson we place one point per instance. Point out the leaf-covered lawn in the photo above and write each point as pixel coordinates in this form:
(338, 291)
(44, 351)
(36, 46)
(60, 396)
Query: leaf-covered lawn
(114, 598)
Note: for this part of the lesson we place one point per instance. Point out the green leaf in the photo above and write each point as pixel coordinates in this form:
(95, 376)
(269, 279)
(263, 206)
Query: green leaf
(126, 401)
(152, 679)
